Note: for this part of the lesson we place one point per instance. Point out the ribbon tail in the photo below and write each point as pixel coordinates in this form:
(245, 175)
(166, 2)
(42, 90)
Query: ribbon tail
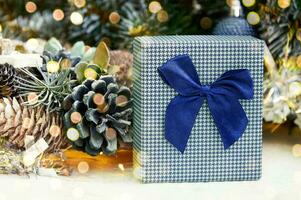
(229, 117)
(180, 117)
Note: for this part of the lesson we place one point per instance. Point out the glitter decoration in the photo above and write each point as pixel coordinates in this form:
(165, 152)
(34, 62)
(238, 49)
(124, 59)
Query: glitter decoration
(58, 15)
(83, 167)
(114, 17)
(30, 7)
(154, 7)
(76, 18)
(253, 18)
(248, 3)
(79, 3)
(296, 150)
(162, 16)
(284, 3)
(206, 23)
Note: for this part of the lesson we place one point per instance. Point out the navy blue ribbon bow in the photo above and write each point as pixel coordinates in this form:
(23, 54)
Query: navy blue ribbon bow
(222, 98)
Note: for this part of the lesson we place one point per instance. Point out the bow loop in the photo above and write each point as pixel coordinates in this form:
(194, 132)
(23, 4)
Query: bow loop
(222, 96)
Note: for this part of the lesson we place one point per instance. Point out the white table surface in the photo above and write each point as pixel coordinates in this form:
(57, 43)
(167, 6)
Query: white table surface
(281, 180)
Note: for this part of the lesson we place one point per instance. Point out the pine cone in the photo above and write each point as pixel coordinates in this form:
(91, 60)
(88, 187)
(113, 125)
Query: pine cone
(17, 121)
(7, 80)
(98, 116)
(123, 61)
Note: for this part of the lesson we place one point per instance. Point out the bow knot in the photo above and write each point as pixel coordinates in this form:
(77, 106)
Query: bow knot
(205, 90)
(222, 97)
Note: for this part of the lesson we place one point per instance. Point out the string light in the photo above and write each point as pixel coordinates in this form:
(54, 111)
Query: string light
(79, 3)
(284, 3)
(114, 17)
(154, 7)
(162, 16)
(58, 15)
(30, 7)
(248, 3)
(253, 18)
(206, 23)
(76, 18)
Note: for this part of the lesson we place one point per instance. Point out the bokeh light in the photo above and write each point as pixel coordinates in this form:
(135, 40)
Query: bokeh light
(32, 44)
(79, 3)
(296, 150)
(154, 7)
(55, 130)
(72, 134)
(114, 17)
(253, 18)
(162, 16)
(0, 28)
(206, 23)
(52, 66)
(284, 3)
(248, 3)
(30, 7)
(58, 14)
(83, 167)
(76, 18)
(121, 167)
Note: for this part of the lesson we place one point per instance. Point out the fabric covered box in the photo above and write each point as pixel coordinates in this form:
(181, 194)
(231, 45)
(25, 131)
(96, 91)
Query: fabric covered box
(205, 158)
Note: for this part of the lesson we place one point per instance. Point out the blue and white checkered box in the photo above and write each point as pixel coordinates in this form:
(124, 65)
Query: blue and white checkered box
(205, 159)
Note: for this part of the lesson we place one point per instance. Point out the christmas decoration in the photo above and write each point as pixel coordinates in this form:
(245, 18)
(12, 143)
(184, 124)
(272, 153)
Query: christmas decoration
(98, 115)
(7, 80)
(235, 24)
(22, 125)
(121, 62)
(49, 91)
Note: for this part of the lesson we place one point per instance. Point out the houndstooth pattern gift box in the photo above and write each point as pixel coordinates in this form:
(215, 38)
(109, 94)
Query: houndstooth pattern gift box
(204, 159)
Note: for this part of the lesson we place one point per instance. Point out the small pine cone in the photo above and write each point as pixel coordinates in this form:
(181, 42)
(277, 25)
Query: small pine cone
(98, 116)
(123, 60)
(18, 121)
(7, 80)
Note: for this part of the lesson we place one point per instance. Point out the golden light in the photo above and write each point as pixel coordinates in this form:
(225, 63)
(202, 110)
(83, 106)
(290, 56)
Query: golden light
(55, 130)
(154, 7)
(121, 167)
(58, 14)
(0, 28)
(253, 18)
(76, 18)
(248, 3)
(162, 16)
(72, 134)
(79, 3)
(284, 3)
(206, 23)
(296, 150)
(32, 44)
(52, 66)
(114, 17)
(83, 167)
(30, 7)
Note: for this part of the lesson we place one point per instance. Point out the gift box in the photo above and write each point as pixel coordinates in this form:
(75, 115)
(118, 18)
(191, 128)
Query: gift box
(212, 150)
